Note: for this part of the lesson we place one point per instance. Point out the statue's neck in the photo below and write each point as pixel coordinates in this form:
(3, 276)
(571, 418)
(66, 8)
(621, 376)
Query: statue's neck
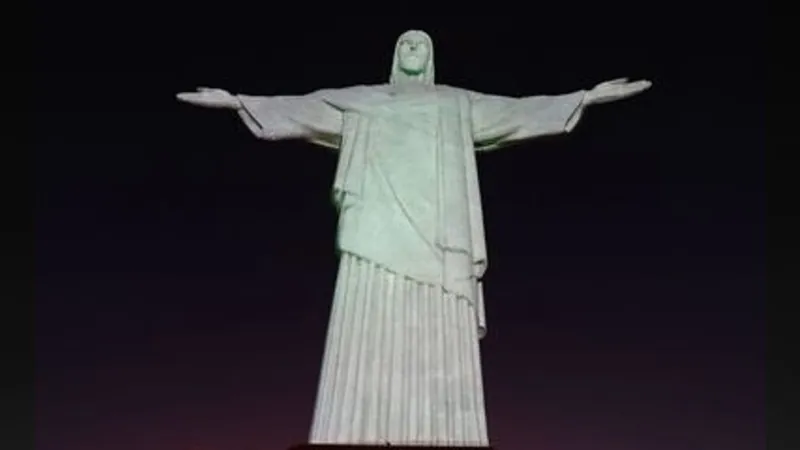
(407, 84)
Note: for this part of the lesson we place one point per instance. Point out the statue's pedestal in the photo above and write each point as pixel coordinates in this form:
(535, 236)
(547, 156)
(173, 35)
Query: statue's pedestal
(378, 447)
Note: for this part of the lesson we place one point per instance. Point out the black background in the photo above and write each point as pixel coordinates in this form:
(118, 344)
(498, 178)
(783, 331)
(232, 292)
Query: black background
(184, 269)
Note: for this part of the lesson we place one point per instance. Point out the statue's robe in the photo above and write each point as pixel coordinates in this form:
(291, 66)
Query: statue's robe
(402, 363)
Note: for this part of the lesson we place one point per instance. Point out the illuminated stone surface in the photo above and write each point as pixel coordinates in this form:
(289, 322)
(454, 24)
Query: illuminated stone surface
(402, 359)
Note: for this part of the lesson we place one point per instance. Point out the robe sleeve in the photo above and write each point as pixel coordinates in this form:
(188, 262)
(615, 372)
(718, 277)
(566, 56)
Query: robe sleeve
(499, 121)
(307, 117)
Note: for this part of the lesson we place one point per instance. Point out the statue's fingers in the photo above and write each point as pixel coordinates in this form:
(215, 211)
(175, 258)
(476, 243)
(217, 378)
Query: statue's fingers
(617, 81)
(635, 88)
(640, 85)
(191, 97)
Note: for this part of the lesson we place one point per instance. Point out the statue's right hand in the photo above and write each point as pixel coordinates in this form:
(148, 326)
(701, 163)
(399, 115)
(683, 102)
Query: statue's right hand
(210, 98)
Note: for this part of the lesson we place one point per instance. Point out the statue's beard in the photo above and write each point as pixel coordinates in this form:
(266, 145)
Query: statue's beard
(413, 73)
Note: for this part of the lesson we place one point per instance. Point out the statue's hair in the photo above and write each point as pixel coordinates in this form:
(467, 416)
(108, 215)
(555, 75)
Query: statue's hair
(428, 76)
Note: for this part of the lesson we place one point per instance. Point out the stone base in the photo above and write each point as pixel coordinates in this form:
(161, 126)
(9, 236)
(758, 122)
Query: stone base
(378, 447)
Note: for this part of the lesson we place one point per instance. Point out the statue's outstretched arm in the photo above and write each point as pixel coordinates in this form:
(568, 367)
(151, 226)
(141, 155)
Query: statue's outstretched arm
(306, 117)
(499, 121)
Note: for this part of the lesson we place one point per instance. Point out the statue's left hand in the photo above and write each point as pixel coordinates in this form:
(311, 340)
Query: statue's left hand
(615, 90)
(210, 98)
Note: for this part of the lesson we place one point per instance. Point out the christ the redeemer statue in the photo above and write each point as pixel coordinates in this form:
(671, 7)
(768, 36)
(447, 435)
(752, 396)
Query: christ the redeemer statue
(402, 361)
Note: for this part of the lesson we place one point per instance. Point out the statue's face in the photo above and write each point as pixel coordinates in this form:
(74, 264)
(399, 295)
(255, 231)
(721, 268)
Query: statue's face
(413, 54)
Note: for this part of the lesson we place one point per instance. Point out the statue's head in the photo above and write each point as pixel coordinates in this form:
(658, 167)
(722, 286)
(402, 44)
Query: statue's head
(413, 58)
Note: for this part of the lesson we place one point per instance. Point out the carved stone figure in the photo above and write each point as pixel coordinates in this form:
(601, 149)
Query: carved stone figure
(402, 360)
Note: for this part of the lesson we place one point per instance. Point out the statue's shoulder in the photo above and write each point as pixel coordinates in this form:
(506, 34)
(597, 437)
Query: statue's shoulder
(457, 91)
(444, 88)
(363, 89)
(347, 90)
(447, 88)
(353, 98)
(358, 91)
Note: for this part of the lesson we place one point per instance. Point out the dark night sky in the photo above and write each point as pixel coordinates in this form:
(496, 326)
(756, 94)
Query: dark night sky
(185, 269)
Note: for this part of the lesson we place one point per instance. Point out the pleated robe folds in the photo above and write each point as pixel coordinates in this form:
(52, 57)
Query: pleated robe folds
(401, 362)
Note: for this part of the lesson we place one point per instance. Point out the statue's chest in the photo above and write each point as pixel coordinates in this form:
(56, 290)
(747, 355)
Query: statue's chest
(423, 110)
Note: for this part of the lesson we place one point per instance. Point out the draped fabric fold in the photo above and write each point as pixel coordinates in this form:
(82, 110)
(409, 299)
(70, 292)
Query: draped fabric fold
(402, 361)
